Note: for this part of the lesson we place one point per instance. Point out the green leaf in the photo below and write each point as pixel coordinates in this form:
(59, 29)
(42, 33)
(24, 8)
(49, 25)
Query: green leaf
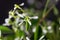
(4, 28)
(55, 10)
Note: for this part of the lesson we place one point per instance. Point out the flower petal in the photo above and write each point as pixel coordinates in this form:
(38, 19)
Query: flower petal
(35, 17)
(22, 4)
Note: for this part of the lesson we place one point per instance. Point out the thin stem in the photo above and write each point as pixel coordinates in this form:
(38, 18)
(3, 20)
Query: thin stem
(40, 20)
(21, 9)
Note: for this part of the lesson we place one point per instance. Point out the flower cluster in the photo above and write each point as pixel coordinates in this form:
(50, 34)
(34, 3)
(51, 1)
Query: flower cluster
(18, 20)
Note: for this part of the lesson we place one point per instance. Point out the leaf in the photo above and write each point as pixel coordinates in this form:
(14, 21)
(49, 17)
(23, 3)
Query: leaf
(4, 28)
(55, 10)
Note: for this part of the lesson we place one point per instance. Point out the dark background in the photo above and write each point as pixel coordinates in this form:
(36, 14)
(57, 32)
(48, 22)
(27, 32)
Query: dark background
(7, 5)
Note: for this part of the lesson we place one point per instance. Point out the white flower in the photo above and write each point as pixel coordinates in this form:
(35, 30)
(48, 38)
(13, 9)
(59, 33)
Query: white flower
(35, 17)
(22, 4)
(41, 37)
(10, 16)
(27, 38)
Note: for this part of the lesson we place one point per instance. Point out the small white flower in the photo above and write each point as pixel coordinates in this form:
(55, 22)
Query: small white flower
(35, 17)
(22, 4)
(49, 28)
(27, 38)
(42, 37)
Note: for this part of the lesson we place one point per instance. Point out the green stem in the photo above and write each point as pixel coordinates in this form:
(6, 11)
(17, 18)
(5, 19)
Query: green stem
(22, 10)
(26, 26)
(46, 6)
(36, 33)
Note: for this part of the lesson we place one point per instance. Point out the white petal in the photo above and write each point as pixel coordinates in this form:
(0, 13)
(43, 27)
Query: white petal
(6, 20)
(35, 17)
(16, 20)
(44, 31)
(14, 8)
(20, 15)
(22, 4)
(21, 23)
(27, 38)
(42, 37)
(6, 24)
(24, 14)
